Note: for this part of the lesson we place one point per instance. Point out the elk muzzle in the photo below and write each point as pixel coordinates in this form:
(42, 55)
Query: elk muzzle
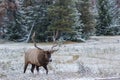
(50, 60)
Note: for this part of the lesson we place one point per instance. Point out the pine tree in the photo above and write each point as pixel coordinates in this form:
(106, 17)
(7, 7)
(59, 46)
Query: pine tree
(104, 18)
(35, 18)
(114, 28)
(3, 19)
(13, 31)
(86, 18)
(61, 19)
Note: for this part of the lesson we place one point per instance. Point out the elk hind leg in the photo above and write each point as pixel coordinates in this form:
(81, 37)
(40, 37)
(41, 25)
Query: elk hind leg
(32, 68)
(25, 67)
(37, 68)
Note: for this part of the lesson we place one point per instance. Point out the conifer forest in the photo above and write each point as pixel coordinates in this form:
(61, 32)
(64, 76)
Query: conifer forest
(72, 20)
(59, 39)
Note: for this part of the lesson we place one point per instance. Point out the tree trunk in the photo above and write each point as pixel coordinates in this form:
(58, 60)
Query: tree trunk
(31, 30)
(55, 35)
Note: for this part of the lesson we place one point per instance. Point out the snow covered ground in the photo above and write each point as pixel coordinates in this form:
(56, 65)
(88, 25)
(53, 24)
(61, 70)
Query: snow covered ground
(96, 59)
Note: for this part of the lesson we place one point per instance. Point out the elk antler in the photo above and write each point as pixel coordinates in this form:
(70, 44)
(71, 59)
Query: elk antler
(35, 42)
(55, 44)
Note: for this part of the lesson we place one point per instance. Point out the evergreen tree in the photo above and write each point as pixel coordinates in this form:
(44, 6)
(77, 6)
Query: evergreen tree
(13, 31)
(104, 18)
(61, 19)
(86, 18)
(114, 28)
(35, 18)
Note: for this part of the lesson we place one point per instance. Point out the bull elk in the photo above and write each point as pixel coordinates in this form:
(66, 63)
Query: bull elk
(38, 57)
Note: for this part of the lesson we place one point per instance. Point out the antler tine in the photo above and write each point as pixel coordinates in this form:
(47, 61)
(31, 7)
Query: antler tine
(35, 42)
(53, 46)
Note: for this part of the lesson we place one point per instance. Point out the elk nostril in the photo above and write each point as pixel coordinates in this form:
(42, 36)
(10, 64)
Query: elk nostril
(50, 60)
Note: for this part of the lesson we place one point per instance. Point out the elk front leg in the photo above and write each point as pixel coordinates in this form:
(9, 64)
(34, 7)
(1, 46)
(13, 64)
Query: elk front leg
(45, 67)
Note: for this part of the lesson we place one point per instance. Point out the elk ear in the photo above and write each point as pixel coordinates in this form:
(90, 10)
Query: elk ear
(52, 51)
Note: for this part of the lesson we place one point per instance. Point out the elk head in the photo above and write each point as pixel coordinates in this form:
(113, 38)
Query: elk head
(47, 53)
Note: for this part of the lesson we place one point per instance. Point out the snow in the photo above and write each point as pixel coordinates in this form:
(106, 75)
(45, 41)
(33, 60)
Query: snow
(96, 59)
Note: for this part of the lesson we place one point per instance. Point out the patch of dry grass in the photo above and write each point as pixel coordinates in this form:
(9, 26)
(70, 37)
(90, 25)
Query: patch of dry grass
(100, 58)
